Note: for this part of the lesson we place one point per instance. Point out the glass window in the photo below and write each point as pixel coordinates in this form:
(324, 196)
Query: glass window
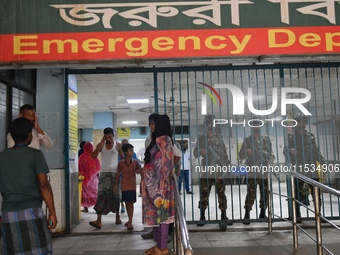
(24, 78)
(19, 98)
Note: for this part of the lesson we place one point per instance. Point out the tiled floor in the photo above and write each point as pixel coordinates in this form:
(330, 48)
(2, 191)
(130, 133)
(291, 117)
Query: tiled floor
(207, 242)
(238, 239)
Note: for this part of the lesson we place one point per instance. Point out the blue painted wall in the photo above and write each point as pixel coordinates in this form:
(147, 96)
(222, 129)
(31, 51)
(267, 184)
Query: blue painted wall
(86, 135)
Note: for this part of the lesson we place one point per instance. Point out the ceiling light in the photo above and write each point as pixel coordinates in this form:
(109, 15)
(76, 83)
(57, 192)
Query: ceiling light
(130, 122)
(138, 101)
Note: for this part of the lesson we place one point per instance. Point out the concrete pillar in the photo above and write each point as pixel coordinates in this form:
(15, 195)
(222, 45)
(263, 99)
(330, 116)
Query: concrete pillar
(50, 107)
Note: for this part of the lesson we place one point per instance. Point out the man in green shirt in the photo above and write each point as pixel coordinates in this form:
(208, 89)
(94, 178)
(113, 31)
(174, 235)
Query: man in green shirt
(24, 185)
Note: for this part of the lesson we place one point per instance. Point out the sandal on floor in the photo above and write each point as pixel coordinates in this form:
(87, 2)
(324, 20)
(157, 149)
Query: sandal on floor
(158, 251)
(150, 249)
(118, 221)
(125, 225)
(95, 224)
(129, 226)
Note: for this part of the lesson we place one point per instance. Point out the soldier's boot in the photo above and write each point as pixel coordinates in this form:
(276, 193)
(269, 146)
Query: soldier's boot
(201, 222)
(246, 219)
(223, 223)
(263, 214)
(224, 217)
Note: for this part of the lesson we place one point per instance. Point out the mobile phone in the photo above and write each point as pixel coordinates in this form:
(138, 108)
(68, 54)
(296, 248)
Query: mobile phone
(51, 223)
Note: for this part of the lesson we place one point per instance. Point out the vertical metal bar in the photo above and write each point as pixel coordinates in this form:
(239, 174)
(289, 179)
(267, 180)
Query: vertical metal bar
(295, 232)
(320, 174)
(206, 159)
(190, 139)
(215, 177)
(253, 146)
(315, 175)
(276, 137)
(197, 144)
(337, 122)
(179, 240)
(177, 234)
(155, 90)
(317, 220)
(332, 130)
(164, 92)
(335, 111)
(172, 101)
(270, 220)
(67, 165)
(287, 156)
(236, 137)
(262, 133)
(229, 135)
(304, 141)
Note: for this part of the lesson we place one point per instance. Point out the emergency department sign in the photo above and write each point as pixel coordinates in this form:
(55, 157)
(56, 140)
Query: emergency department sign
(75, 30)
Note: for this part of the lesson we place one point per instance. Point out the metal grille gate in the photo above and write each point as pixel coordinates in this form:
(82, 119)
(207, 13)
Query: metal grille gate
(178, 92)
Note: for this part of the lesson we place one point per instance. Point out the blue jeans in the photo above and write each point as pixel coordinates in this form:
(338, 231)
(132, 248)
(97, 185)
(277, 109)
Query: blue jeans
(185, 174)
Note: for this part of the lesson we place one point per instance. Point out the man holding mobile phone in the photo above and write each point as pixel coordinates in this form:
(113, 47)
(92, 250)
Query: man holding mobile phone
(39, 137)
(108, 200)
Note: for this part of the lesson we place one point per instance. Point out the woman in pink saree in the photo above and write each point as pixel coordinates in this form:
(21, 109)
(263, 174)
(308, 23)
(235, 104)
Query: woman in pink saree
(89, 168)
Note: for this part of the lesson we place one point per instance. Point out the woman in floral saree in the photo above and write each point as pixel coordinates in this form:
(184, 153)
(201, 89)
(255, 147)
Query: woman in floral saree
(158, 187)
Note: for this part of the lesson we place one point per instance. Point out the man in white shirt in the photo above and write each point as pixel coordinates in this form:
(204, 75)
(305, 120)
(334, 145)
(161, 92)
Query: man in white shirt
(185, 168)
(108, 200)
(39, 137)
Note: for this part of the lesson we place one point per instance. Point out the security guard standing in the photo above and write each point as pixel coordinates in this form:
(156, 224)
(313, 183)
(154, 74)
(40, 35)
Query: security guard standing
(210, 146)
(304, 155)
(256, 149)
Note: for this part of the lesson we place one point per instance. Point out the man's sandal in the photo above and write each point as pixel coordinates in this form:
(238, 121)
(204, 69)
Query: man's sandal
(95, 224)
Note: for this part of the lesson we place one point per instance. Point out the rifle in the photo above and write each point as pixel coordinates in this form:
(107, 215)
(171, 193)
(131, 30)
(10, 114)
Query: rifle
(212, 150)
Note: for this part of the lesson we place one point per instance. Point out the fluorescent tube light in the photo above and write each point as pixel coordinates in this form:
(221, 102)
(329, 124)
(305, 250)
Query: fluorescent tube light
(130, 122)
(138, 101)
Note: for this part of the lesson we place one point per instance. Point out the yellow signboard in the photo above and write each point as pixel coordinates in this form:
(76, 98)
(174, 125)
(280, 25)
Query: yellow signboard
(124, 132)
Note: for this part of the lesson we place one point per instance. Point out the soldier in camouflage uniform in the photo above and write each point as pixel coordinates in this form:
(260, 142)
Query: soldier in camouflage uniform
(211, 147)
(257, 150)
(303, 151)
